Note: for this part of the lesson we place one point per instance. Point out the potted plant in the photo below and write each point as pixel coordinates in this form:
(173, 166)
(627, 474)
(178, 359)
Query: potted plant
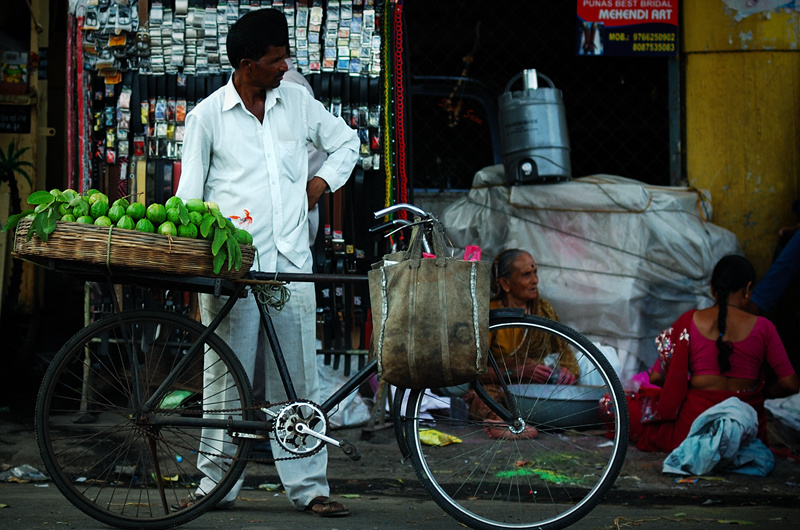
(11, 165)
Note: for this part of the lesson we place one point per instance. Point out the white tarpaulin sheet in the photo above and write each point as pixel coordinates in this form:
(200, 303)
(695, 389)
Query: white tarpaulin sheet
(619, 260)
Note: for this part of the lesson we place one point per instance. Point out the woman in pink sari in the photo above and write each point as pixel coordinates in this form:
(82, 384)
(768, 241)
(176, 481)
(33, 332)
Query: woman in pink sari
(709, 355)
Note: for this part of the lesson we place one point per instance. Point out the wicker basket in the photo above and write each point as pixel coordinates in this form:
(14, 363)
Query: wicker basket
(127, 249)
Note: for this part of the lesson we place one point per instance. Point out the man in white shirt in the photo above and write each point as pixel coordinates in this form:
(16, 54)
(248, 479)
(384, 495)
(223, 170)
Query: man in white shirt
(245, 149)
(315, 157)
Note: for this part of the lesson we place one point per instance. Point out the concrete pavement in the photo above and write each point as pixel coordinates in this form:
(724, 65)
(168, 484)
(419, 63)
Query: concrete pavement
(383, 492)
(29, 506)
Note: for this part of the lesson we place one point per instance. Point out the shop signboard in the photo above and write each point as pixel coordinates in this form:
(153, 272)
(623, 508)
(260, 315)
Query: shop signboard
(13, 72)
(15, 119)
(633, 28)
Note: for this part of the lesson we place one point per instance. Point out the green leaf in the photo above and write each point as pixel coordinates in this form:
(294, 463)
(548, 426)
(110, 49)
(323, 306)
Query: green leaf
(234, 254)
(237, 262)
(238, 254)
(67, 196)
(205, 226)
(14, 220)
(231, 252)
(38, 227)
(219, 259)
(219, 239)
(40, 197)
(49, 223)
(220, 219)
(183, 214)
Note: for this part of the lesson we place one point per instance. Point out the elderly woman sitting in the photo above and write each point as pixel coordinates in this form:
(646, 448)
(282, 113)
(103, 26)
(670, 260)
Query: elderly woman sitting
(521, 354)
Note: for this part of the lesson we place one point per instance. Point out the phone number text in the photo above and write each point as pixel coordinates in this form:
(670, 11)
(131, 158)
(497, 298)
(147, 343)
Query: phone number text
(654, 36)
(653, 47)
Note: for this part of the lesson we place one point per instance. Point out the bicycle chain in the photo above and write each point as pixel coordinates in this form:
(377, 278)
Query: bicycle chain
(280, 404)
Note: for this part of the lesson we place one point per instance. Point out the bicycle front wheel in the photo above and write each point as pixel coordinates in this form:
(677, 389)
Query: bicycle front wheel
(130, 466)
(547, 472)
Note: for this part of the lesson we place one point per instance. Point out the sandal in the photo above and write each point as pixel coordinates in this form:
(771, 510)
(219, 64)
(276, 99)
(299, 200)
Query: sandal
(186, 502)
(325, 507)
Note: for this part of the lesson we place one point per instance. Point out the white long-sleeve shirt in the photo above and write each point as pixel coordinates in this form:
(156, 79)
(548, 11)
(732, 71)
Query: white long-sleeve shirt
(315, 158)
(257, 172)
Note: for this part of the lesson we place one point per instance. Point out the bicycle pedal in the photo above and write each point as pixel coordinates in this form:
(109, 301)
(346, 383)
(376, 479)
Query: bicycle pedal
(350, 450)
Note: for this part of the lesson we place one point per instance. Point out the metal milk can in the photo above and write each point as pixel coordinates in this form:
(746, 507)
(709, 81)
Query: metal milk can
(533, 132)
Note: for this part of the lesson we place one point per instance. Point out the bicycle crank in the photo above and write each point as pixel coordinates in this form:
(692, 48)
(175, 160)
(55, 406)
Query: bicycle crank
(300, 429)
(346, 447)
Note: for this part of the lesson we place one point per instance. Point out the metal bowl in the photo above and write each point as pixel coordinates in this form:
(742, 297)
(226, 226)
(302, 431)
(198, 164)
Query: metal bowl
(560, 406)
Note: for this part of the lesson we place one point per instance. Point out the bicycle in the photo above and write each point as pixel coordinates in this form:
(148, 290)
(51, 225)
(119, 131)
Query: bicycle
(123, 400)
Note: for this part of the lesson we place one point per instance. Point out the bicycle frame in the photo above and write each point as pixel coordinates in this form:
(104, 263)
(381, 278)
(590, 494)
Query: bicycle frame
(235, 290)
(498, 460)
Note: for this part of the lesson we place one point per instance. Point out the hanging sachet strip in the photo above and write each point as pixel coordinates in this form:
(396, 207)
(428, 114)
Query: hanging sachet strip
(84, 112)
(71, 91)
(399, 104)
(388, 108)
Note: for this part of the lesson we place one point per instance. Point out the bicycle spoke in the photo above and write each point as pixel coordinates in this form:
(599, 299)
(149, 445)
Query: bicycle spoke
(104, 454)
(520, 481)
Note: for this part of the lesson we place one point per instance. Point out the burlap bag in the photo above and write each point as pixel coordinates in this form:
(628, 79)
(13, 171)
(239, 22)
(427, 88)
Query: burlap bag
(430, 316)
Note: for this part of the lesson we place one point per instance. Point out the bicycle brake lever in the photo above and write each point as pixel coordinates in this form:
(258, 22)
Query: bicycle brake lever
(400, 223)
(381, 227)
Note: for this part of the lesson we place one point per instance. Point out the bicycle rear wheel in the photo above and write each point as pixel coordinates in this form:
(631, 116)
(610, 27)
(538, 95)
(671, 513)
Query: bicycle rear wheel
(550, 481)
(120, 464)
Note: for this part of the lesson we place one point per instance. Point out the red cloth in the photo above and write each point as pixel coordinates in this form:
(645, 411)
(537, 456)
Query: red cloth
(676, 357)
(662, 426)
(667, 435)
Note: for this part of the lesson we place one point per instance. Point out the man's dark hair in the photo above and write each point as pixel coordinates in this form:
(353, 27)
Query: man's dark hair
(253, 34)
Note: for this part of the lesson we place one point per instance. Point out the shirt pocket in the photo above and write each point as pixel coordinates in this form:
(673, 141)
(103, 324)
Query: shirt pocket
(293, 158)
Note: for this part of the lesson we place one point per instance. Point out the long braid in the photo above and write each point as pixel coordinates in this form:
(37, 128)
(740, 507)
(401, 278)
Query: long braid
(724, 349)
(731, 274)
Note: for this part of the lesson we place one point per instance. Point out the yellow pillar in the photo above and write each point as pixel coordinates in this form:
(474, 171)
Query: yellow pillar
(743, 118)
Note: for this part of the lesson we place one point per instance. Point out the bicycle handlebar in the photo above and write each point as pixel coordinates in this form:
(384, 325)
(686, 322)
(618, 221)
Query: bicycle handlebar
(425, 218)
(402, 206)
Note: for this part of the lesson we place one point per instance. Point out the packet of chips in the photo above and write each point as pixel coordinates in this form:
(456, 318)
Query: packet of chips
(436, 438)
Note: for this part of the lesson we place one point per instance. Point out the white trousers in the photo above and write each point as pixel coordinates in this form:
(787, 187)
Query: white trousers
(303, 479)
